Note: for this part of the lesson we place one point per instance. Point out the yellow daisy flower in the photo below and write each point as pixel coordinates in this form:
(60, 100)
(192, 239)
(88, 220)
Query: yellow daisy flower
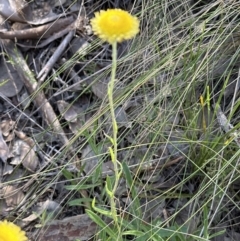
(11, 232)
(114, 25)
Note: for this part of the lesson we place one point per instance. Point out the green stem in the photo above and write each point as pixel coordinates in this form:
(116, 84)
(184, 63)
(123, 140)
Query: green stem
(113, 151)
(110, 98)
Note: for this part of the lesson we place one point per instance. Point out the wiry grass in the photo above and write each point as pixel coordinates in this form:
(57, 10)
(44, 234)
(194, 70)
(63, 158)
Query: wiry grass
(185, 50)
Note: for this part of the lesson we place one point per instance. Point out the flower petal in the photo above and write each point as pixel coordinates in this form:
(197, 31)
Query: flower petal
(11, 232)
(115, 25)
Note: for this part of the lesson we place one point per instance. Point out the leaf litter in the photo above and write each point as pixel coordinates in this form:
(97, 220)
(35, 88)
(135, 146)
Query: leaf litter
(54, 114)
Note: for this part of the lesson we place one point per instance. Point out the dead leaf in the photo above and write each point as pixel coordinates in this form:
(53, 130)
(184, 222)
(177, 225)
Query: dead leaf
(25, 138)
(68, 229)
(152, 209)
(99, 88)
(10, 82)
(67, 111)
(16, 174)
(121, 118)
(8, 169)
(12, 195)
(25, 155)
(4, 151)
(89, 159)
(29, 12)
(25, 100)
(8, 11)
(176, 145)
(48, 205)
(73, 114)
(4, 210)
(79, 46)
(7, 126)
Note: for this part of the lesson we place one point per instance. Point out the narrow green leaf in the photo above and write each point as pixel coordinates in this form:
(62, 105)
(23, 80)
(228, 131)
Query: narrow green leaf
(134, 233)
(81, 186)
(102, 211)
(109, 187)
(97, 219)
(97, 174)
(135, 208)
(67, 174)
(217, 234)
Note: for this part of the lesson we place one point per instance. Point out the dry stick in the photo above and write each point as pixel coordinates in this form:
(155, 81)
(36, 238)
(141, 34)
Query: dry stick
(38, 32)
(50, 39)
(60, 49)
(46, 109)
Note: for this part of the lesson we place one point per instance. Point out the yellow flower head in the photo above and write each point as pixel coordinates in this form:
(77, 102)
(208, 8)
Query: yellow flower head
(11, 232)
(114, 25)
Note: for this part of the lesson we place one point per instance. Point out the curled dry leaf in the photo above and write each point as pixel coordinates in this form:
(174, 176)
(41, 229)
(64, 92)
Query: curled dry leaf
(24, 154)
(25, 138)
(12, 195)
(7, 126)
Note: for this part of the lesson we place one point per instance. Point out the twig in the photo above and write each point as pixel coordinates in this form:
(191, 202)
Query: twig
(50, 39)
(60, 49)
